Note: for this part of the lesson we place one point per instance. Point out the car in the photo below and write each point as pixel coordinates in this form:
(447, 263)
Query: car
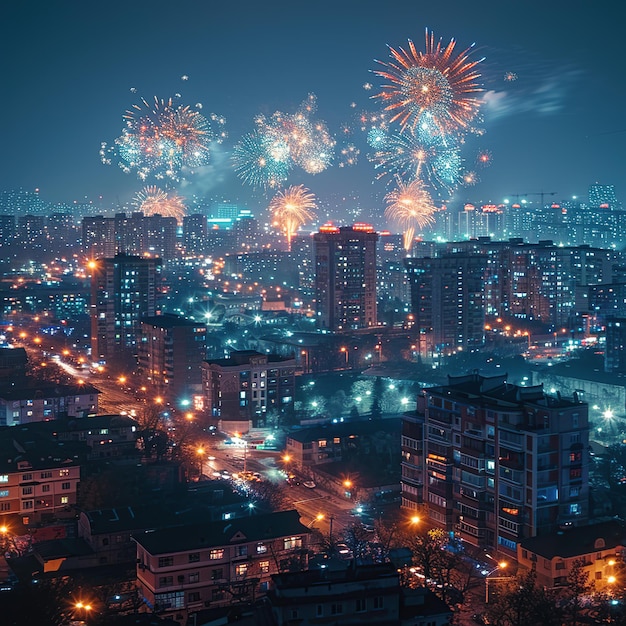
(309, 484)
(479, 618)
(226, 475)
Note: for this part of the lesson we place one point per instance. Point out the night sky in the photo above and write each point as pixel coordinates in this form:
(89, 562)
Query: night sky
(71, 69)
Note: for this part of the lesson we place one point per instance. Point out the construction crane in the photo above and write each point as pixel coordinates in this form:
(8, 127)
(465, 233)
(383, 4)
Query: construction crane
(543, 194)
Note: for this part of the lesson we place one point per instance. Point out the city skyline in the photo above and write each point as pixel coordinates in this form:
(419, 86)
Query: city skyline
(549, 102)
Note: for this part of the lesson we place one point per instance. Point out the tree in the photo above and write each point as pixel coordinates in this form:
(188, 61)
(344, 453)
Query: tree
(521, 602)
(576, 592)
(45, 603)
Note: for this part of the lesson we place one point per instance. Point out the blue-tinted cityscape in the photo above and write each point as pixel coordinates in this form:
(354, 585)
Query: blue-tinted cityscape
(277, 349)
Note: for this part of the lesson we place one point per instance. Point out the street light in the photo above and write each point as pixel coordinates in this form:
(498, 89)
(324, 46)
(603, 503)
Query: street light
(200, 452)
(345, 354)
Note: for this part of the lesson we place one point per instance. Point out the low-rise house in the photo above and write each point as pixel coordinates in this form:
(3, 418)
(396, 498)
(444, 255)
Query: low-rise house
(341, 441)
(109, 532)
(357, 594)
(552, 556)
(38, 479)
(39, 400)
(181, 570)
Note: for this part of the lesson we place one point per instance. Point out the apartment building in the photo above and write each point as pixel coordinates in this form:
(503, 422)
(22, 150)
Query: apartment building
(183, 569)
(501, 462)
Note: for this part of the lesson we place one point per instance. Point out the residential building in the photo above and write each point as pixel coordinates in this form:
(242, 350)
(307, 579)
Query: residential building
(248, 388)
(183, 569)
(109, 532)
(195, 230)
(170, 353)
(123, 290)
(333, 442)
(13, 363)
(356, 594)
(38, 480)
(615, 348)
(413, 469)
(345, 276)
(502, 462)
(600, 547)
(32, 400)
(447, 303)
(153, 235)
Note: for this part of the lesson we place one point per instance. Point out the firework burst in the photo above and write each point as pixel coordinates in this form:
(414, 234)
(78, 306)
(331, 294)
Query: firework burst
(161, 139)
(152, 200)
(281, 142)
(405, 155)
(436, 81)
(410, 206)
(292, 208)
(261, 160)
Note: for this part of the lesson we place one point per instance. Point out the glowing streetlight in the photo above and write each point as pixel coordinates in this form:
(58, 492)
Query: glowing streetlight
(200, 452)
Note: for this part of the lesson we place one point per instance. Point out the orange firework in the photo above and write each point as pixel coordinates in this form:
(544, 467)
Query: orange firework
(434, 82)
(411, 207)
(154, 201)
(291, 209)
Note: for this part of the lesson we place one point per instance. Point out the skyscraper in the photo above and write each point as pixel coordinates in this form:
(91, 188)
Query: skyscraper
(123, 290)
(345, 276)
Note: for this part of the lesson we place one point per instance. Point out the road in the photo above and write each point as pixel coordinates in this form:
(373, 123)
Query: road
(117, 398)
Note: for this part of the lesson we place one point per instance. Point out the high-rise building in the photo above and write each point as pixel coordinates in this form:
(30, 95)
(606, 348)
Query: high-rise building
(123, 290)
(615, 350)
(500, 462)
(602, 195)
(153, 235)
(170, 353)
(195, 228)
(447, 303)
(98, 236)
(345, 276)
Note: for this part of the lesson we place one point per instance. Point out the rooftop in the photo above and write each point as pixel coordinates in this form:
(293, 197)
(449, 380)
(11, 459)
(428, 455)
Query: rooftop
(578, 541)
(215, 534)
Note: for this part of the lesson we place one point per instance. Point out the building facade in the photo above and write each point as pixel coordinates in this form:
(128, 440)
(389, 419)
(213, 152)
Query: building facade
(248, 389)
(184, 569)
(170, 353)
(447, 303)
(123, 290)
(600, 547)
(345, 277)
(44, 401)
(39, 489)
(501, 463)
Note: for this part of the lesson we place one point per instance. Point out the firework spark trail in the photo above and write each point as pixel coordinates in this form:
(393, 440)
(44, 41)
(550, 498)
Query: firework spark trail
(292, 208)
(410, 206)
